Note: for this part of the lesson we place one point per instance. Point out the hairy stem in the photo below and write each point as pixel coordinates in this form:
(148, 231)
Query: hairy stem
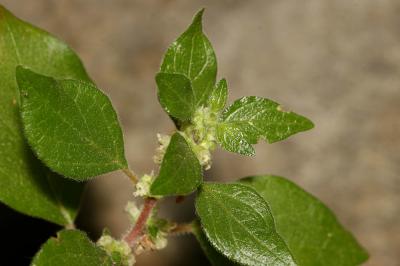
(132, 237)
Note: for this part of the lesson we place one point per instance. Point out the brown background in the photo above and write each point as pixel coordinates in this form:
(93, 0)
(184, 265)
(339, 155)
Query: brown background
(337, 62)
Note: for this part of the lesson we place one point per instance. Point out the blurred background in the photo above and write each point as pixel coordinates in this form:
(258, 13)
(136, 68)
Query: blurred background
(336, 62)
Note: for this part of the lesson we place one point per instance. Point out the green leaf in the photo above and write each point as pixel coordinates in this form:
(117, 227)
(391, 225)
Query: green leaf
(176, 95)
(67, 195)
(71, 248)
(193, 56)
(71, 125)
(239, 224)
(309, 228)
(251, 118)
(218, 96)
(215, 258)
(25, 185)
(232, 139)
(180, 171)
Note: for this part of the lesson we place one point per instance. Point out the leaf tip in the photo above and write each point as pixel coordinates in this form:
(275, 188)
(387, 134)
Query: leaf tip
(24, 77)
(20, 70)
(309, 124)
(197, 20)
(223, 82)
(23, 73)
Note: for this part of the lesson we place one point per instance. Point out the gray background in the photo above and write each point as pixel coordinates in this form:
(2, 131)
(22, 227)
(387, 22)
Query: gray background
(337, 62)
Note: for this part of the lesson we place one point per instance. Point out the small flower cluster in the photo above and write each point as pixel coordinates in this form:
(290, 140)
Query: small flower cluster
(201, 135)
(119, 250)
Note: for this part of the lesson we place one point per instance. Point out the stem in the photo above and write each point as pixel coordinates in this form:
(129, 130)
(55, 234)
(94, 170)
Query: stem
(137, 230)
(129, 173)
(70, 226)
(180, 229)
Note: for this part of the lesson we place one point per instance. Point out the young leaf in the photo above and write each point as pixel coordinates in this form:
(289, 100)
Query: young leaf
(25, 184)
(251, 118)
(239, 224)
(232, 139)
(215, 258)
(176, 95)
(71, 125)
(180, 171)
(71, 248)
(309, 228)
(193, 56)
(218, 96)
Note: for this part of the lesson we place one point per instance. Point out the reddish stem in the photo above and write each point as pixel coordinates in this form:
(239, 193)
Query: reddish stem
(138, 228)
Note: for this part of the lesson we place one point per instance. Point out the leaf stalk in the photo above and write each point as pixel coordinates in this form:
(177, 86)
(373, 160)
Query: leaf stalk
(132, 176)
